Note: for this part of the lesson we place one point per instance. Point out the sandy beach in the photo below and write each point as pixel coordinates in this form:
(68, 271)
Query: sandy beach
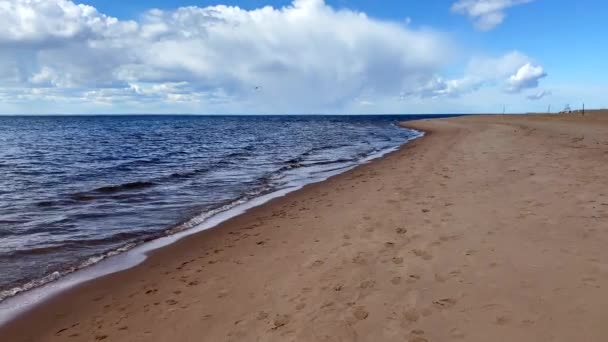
(490, 228)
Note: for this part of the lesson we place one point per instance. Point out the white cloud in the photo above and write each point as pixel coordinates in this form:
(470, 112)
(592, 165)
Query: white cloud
(440, 87)
(51, 21)
(486, 14)
(512, 72)
(307, 56)
(58, 56)
(539, 95)
(527, 76)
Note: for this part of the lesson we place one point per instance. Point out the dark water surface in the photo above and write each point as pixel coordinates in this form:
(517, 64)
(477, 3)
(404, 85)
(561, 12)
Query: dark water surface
(77, 189)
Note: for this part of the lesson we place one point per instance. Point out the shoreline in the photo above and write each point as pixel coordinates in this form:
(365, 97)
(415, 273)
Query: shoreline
(488, 228)
(14, 307)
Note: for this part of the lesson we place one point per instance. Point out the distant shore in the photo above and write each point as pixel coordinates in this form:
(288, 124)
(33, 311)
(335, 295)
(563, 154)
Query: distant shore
(490, 228)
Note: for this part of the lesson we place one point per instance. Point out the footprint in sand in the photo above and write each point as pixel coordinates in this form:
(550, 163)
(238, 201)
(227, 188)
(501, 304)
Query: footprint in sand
(151, 291)
(280, 321)
(502, 320)
(422, 254)
(397, 260)
(318, 263)
(528, 322)
(360, 259)
(456, 333)
(426, 312)
(360, 313)
(401, 230)
(327, 305)
(413, 278)
(262, 316)
(439, 278)
(445, 303)
(411, 316)
(368, 284)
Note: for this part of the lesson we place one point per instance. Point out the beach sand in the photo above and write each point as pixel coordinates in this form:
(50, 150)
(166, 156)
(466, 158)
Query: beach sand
(490, 228)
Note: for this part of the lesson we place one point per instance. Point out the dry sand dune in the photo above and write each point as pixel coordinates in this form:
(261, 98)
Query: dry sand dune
(491, 228)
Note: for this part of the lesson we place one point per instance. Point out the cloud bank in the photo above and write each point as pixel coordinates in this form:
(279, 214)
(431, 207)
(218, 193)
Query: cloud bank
(303, 58)
(486, 14)
(512, 72)
(306, 55)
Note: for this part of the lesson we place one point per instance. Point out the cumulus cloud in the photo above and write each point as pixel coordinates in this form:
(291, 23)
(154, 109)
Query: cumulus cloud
(52, 21)
(306, 56)
(486, 14)
(527, 76)
(441, 87)
(512, 72)
(539, 95)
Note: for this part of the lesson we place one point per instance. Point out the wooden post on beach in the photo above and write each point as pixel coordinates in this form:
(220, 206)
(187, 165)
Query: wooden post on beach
(583, 108)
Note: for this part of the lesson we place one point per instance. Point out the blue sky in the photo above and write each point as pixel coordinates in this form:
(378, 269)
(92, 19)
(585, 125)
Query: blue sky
(303, 56)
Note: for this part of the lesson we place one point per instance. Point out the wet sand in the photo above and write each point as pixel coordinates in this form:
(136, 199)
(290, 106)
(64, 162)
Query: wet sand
(490, 228)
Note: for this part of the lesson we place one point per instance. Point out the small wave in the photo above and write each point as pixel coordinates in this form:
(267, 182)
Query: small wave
(295, 164)
(323, 148)
(188, 174)
(44, 204)
(114, 191)
(125, 187)
(329, 162)
(138, 238)
(239, 154)
(71, 244)
(132, 164)
(104, 190)
(59, 274)
(33, 251)
(81, 197)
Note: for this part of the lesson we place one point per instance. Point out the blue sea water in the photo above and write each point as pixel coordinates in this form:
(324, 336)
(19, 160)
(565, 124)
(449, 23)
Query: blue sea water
(77, 189)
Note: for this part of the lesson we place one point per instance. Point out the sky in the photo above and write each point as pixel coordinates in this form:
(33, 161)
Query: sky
(301, 56)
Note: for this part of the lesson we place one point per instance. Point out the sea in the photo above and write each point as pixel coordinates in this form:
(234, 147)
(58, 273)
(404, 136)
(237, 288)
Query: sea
(76, 190)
